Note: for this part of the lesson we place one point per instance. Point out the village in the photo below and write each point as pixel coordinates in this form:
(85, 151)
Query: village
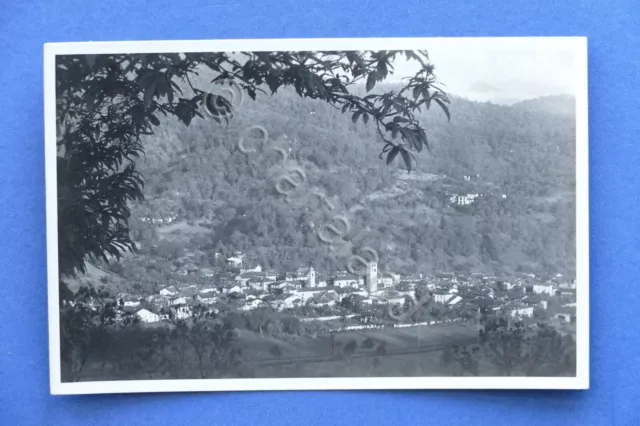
(253, 288)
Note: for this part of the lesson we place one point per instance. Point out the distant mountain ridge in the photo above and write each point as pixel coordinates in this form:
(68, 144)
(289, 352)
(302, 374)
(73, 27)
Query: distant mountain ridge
(557, 104)
(482, 87)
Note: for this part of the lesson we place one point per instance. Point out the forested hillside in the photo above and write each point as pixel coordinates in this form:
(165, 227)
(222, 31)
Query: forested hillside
(219, 199)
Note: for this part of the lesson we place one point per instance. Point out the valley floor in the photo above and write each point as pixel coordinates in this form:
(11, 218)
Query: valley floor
(414, 351)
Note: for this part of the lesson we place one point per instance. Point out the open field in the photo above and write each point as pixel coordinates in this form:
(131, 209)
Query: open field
(411, 351)
(394, 340)
(322, 356)
(424, 363)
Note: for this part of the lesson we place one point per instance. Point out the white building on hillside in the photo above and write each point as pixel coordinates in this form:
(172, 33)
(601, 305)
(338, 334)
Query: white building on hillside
(232, 289)
(235, 260)
(393, 300)
(181, 311)
(385, 281)
(256, 268)
(544, 289)
(293, 301)
(449, 298)
(178, 301)
(455, 299)
(308, 275)
(508, 285)
(571, 285)
(347, 281)
(308, 293)
(147, 316)
(521, 311)
(169, 291)
(463, 199)
(206, 272)
(253, 304)
(130, 301)
(207, 298)
(441, 297)
(372, 277)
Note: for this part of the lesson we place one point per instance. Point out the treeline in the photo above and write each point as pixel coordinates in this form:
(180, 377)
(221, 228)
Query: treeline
(514, 350)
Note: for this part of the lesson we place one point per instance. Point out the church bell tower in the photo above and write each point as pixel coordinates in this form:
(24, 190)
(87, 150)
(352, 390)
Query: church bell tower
(372, 277)
(311, 279)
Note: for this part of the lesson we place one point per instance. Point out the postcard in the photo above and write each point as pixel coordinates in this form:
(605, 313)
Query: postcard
(307, 214)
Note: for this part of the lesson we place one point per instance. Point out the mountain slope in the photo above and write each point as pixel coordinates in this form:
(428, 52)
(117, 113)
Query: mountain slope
(520, 157)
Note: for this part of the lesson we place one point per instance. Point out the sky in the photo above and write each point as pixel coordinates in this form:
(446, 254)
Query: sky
(502, 71)
(498, 69)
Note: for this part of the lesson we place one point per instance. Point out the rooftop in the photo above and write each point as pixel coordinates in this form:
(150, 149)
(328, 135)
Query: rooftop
(567, 310)
(315, 290)
(483, 302)
(346, 278)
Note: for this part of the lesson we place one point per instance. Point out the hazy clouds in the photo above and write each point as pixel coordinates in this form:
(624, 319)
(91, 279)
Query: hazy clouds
(501, 70)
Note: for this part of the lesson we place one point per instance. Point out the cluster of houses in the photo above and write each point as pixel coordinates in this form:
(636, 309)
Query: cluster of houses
(160, 220)
(517, 296)
(254, 287)
(464, 199)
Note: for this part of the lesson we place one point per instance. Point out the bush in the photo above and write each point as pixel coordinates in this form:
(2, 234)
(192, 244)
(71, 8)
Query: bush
(368, 343)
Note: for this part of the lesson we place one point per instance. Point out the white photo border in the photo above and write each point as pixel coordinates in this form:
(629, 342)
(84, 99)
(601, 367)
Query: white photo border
(580, 381)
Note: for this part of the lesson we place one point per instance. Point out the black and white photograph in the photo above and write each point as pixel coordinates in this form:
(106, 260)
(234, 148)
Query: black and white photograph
(317, 214)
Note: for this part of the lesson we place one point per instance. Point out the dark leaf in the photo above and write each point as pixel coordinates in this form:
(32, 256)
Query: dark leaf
(412, 139)
(272, 82)
(427, 98)
(170, 94)
(416, 92)
(371, 80)
(407, 159)
(365, 118)
(423, 138)
(137, 114)
(175, 86)
(91, 60)
(395, 130)
(149, 91)
(444, 108)
(392, 154)
(382, 69)
(355, 57)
